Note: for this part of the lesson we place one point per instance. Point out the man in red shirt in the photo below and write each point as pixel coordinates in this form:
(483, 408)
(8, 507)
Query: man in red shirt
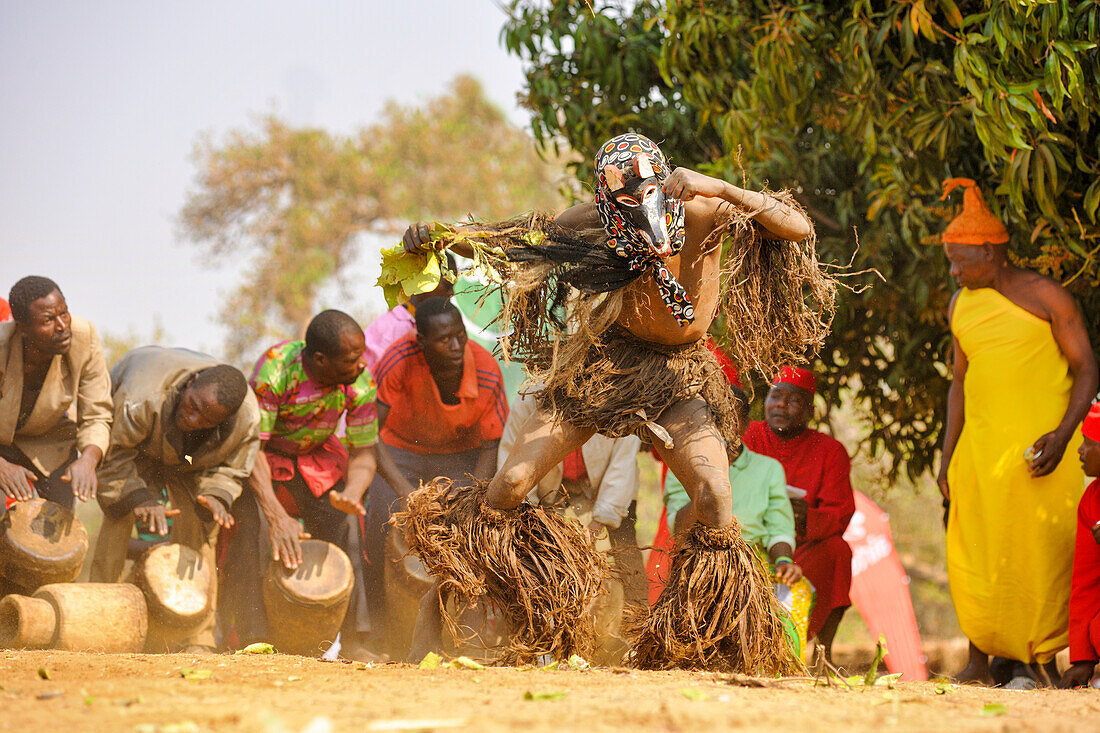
(441, 412)
(818, 465)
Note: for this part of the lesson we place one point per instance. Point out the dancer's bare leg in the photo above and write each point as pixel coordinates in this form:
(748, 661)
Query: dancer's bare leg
(542, 444)
(699, 460)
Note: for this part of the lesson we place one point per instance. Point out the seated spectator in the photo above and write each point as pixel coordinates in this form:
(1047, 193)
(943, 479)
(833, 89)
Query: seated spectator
(55, 398)
(304, 388)
(397, 322)
(600, 477)
(817, 464)
(441, 412)
(763, 509)
(1084, 596)
(186, 424)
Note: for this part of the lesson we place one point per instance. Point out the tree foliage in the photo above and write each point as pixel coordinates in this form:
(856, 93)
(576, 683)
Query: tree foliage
(863, 109)
(291, 203)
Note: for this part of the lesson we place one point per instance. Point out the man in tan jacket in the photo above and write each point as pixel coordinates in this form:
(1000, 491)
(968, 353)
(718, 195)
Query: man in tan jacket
(186, 424)
(55, 398)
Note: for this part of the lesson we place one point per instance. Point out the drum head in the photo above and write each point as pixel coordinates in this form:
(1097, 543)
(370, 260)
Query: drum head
(324, 577)
(39, 536)
(176, 581)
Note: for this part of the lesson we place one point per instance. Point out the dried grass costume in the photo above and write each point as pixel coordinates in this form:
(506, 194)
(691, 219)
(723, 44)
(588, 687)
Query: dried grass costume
(778, 303)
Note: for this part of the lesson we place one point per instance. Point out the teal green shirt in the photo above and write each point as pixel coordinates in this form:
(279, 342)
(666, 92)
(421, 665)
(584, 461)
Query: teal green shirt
(760, 500)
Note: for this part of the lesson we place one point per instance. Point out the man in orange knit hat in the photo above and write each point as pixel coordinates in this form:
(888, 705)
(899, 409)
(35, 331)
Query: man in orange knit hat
(1023, 377)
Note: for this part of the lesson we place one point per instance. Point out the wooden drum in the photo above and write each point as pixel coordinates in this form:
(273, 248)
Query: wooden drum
(40, 543)
(179, 588)
(406, 581)
(305, 607)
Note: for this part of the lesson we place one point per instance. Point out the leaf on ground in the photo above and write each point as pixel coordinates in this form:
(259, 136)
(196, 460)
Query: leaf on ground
(195, 674)
(259, 647)
(89, 700)
(943, 687)
(293, 678)
(44, 673)
(576, 661)
(431, 660)
(880, 652)
(992, 710)
(889, 680)
(465, 663)
(694, 695)
(552, 695)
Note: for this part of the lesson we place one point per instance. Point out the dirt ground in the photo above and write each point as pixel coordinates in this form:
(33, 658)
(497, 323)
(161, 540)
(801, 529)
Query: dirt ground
(285, 694)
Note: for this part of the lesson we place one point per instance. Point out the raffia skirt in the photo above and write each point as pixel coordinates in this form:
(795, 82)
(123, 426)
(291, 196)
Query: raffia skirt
(624, 384)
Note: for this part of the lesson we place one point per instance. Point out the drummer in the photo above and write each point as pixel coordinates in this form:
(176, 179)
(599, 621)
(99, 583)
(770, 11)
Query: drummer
(187, 424)
(305, 388)
(51, 369)
(442, 408)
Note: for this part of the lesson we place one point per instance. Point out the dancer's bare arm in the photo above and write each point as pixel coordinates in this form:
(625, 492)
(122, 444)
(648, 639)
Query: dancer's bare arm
(779, 219)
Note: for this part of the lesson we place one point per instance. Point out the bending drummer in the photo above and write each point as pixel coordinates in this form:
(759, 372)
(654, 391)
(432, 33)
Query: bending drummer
(51, 368)
(304, 389)
(188, 424)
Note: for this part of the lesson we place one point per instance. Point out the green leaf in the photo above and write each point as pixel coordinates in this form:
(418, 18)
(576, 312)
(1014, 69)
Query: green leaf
(552, 695)
(195, 674)
(880, 652)
(44, 673)
(694, 695)
(431, 660)
(465, 663)
(259, 647)
(992, 710)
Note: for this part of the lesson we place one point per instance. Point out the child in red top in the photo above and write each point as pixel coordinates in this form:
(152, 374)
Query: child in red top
(1084, 597)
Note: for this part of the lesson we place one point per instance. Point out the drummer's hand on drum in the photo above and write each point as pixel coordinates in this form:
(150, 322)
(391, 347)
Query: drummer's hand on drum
(217, 510)
(17, 482)
(285, 534)
(81, 474)
(418, 237)
(155, 516)
(346, 503)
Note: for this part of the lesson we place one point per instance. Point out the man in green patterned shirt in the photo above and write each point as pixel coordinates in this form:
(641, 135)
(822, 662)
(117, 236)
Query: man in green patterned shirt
(304, 389)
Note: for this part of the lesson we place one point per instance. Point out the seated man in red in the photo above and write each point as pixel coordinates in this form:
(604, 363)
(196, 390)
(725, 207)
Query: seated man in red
(818, 465)
(441, 412)
(1084, 594)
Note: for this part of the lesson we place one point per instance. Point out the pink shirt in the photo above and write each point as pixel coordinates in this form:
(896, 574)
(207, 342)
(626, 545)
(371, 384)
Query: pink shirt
(384, 331)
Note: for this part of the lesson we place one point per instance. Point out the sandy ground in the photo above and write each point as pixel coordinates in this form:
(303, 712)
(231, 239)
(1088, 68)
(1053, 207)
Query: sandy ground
(277, 693)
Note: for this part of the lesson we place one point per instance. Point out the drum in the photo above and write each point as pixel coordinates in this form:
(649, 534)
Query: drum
(306, 606)
(178, 586)
(77, 617)
(406, 581)
(41, 542)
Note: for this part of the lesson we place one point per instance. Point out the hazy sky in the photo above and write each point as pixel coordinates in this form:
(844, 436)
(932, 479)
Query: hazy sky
(103, 102)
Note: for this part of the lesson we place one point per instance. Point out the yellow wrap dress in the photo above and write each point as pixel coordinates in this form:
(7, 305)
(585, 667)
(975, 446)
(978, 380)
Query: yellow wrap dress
(1010, 537)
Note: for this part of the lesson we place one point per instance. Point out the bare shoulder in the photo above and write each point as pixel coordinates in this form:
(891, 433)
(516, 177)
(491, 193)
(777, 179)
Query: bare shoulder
(1041, 295)
(581, 216)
